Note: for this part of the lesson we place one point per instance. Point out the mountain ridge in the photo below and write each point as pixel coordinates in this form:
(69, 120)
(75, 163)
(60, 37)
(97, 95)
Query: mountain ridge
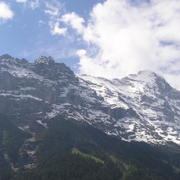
(151, 94)
(139, 107)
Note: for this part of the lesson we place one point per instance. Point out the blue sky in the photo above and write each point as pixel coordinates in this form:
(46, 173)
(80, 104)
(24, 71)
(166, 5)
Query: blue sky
(107, 38)
(28, 34)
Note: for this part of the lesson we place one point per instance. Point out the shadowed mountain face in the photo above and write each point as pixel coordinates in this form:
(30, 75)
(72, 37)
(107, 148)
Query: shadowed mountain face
(74, 150)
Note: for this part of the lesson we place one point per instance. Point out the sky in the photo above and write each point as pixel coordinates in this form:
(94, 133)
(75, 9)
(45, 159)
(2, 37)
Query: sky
(106, 38)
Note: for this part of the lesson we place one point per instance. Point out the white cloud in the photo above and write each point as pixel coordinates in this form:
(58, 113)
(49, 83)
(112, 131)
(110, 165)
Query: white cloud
(57, 30)
(130, 37)
(21, 1)
(5, 11)
(54, 12)
(81, 52)
(34, 4)
(74, 20)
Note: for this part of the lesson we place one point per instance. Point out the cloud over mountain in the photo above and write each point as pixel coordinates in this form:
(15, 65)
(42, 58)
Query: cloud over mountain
(112, 39)
(130, 37)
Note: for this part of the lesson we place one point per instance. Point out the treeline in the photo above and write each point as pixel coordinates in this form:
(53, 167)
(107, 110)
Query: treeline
(70, 150)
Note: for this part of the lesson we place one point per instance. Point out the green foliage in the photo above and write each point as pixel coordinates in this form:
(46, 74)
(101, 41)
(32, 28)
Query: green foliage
(11, 137)
(87, 156)
(70, 150)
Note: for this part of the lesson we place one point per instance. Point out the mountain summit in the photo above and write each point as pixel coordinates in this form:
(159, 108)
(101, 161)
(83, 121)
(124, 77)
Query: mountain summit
(45, 60)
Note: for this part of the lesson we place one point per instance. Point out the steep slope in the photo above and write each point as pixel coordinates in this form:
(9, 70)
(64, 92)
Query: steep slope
(40, 90)
(140, 107)
(11, 141)
(155, 103)
(77, 151)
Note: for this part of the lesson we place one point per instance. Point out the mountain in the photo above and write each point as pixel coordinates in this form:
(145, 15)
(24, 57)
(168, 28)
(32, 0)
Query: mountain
(154, 104)
(34, 96)
(140, 107)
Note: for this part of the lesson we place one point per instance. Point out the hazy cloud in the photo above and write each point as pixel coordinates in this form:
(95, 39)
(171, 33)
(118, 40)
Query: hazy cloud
(5, 11)
(33, 4)
(57, 30)
(21, 1)
(54, 12)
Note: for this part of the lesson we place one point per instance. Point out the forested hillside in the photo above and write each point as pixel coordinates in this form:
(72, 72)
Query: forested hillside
(70, 150)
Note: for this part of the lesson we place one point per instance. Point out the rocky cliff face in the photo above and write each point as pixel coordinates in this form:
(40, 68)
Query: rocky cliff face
(141, 107)
(154, 102)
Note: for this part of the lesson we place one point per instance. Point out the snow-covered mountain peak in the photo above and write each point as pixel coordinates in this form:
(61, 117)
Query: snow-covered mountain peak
(6, 56)
(45, 60)
(145, 82)
(8, 61)
(141, 82)
(154, 101)
(144, 76)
